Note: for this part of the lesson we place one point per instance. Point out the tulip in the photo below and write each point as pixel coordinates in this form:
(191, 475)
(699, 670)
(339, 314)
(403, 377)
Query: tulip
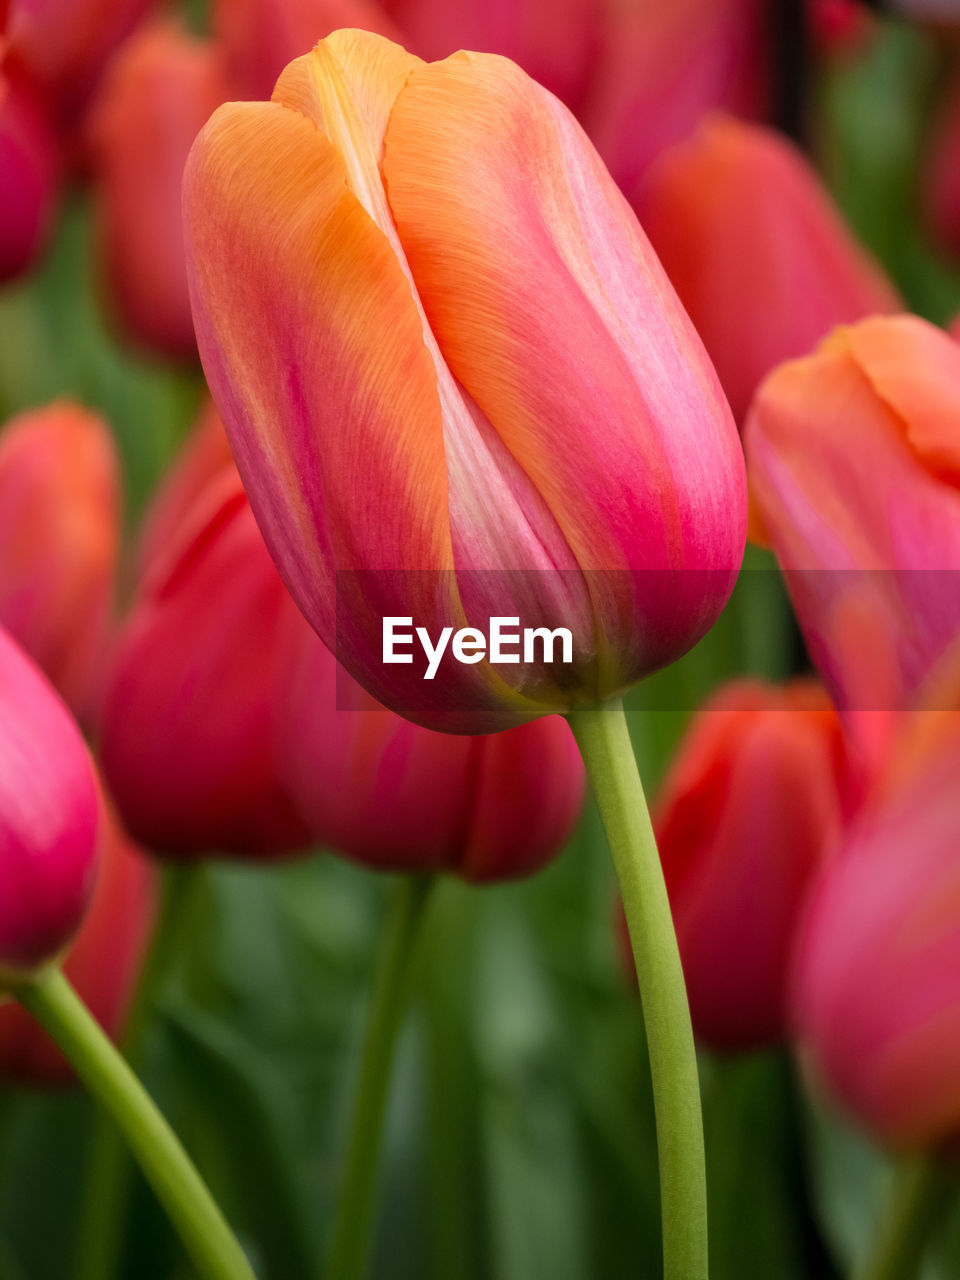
(756, 251)
(750, 811)
(102, 964)
(941, 179)
(413, 414)
(29, 172)
(663, 66)
(161, 87)
(395, 796)
(190, 693)
(259, 37)
(854, 463)
(877, 992)
(59, 532)
(49, 821)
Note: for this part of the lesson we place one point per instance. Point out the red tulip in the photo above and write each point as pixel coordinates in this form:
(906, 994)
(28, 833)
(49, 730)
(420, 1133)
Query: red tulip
(941, 183)
(159, 91)
(49, 820)
(754, 247)
(662, 66)
(29, 172)
(102, 964)
(59, 533)
(750, 811)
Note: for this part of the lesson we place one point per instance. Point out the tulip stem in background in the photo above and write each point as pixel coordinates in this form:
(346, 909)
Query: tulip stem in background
(919, 1197)
(108, 1170)
(604, 741)
(180, 1189)
(355, 1217)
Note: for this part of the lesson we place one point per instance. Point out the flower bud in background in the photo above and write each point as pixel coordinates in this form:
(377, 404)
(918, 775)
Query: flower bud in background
(877, 988)
(395, 796)
(854, 464)
(186, 723)
(756, 250)
(158, 92)
(941, 177)
(259, 37)
(49, 820)
(413, 414)
(103, 963)
(59, 535)
(29, 171)
(662, 66)
(840, 26)
(752, 807)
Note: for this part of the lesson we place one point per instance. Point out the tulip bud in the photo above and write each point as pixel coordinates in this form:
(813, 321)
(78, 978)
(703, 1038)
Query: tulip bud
(753, 245)
(162, 86)
(877, 990)
(663, 66)
(395, 796)
(59, 533)
(102, 964)
(49, 821)
(941, 179)
(854, 457)
(428, 429)
(749, 812)
(259, 37)
(29, 172)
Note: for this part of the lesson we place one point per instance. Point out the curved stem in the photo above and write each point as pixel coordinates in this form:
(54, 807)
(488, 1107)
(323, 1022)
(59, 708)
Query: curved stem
(107, 1184)
(919, 1197)
(604, 742)
(354, 1219)
(180, 1189)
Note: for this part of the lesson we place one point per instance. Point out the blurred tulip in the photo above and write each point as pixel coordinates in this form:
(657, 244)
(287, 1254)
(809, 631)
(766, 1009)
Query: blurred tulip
(554, 41)
(49, 820)
(941, 179)
(187, 719)
(754, 247)
(877, 992)
(29, 172)
(59, 535)
(840, 26)
(663, 66)
(159, 91)
(415, 417)
(259, 37)
(854, 463)
(751, 808)
(396, 796)
(102, 964)
(65, 46)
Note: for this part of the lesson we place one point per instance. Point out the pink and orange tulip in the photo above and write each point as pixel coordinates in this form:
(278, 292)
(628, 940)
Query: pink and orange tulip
(854, 464)
(159, 91)
(50, 821)
(453, 394)
(29, 171)
(756, 250)
(59, 536)
(751, 810)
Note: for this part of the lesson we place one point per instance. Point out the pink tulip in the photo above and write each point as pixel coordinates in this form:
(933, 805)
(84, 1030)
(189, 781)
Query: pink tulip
(756, 250)
(59, 534)
(750, 811)
(49, 820)
(29, 172)
(455, 392)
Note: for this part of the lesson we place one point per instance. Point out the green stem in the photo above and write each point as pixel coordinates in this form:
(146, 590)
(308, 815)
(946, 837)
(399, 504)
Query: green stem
(354, 1220)
(604, 742)
(168, 1168)
(919, 1197)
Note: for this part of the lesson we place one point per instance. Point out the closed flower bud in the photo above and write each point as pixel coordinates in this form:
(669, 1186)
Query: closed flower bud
(59, 534)
(756, 250)
(854, 461)
(162, 86)
(103, 963)
(29, 172)
(456, 381)
(750, 811)
(49, 821)
(941, 179)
